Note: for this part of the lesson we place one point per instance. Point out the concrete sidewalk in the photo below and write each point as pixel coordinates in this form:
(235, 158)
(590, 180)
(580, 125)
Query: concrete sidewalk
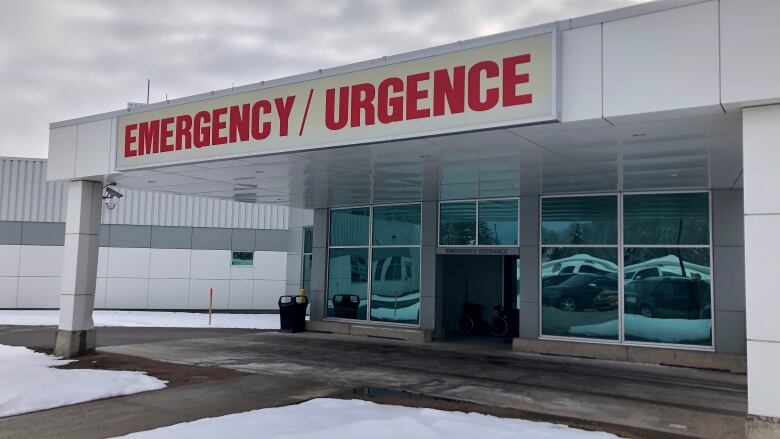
(648, 400)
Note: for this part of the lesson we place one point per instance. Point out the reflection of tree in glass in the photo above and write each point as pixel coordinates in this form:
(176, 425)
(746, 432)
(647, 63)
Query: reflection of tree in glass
(458, 233)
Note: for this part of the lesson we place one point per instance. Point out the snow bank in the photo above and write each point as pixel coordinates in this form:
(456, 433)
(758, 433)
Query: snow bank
(146, 319)
(29, 383)
(340, 419)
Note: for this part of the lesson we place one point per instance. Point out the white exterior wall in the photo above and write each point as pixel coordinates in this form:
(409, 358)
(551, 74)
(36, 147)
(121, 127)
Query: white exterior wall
(761, 128)
(144, 278)
(25, 195)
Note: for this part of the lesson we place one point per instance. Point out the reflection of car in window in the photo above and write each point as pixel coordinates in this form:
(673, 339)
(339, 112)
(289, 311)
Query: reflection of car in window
(578, 291)
(668, 298)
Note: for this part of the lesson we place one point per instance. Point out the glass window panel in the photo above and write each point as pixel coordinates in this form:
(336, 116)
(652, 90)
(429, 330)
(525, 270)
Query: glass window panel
(349, 227)
(666, 219)
(667, 295)
(347, 282)
(498, 222)
(457, 222)
(579, 220)
(395, 295)
(242, 258)
(397, 225)
(306, 281)
(308, 238)
(580, 292)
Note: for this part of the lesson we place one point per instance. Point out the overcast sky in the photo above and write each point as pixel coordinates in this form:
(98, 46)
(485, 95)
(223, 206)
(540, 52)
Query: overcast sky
(65, 59)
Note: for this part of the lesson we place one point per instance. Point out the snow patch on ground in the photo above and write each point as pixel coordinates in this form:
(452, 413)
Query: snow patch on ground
(356, 419)
(146, 319)
(28, 382)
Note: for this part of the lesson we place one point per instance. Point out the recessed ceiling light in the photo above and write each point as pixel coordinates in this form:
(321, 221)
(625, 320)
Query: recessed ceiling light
(673, 174)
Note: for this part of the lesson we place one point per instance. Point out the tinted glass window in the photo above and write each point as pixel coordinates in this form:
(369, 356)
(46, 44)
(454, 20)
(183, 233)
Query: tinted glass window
(671, 309)
(582, 305)
(395, 291)
(347, 282)
(498, 222)
(397, 225)
(579, 220)
(666, 219)
(349, 227)
(457, 223)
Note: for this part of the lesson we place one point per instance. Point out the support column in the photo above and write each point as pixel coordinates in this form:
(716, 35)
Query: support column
(431, 296)
(761, 155)
(76, 333)
(529, 267)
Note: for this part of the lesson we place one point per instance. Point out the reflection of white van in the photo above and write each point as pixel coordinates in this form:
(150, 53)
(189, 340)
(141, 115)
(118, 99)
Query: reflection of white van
(576, 264)
(665, 266)
(395, 276)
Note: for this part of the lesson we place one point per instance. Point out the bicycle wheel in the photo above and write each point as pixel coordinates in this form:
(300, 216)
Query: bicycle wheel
(466, 324)
(499, 327)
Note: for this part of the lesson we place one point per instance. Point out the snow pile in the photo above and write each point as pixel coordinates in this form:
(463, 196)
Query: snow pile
(153, 319)
(29, 383)
(647, 328)
(341, 419)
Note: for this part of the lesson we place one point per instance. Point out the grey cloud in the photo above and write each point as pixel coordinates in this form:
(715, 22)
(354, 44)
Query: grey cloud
(60, 60)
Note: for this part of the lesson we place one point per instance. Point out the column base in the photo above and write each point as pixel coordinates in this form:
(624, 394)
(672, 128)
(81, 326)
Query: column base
(69, 344)
(762, 427)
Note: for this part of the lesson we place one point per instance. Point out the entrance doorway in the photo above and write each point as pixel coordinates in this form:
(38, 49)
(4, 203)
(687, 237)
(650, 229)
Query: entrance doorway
(474, 285)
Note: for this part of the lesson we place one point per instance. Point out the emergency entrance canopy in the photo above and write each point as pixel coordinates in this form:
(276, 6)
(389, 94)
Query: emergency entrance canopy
(507, 83)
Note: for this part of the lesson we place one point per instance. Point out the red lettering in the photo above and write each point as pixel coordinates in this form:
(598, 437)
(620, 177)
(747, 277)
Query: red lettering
(362, 100)
(129, 140)
(217, 125)
(512, 78)
(149, 137)
(414, 94)
(452, 90)
(259, 107)
(167, 133)
(183, 133)
(202, 129)
(475, 86)
(239, 123)
(283, 109)
(385, 103)
(332, 122)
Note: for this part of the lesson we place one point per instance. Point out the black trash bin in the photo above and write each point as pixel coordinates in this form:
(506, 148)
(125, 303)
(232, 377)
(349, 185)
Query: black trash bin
(346, 306)
(292, 313)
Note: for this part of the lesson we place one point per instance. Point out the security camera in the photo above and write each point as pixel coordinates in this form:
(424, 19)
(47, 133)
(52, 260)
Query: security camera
(112, 195)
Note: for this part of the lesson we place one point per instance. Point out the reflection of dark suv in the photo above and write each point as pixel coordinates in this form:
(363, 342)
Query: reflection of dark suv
(577, 292)
(668, 298)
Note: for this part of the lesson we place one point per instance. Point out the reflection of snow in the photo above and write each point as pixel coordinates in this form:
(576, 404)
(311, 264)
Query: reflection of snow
(405, 314)
(651, 329)
(671, 264)
(553, 267)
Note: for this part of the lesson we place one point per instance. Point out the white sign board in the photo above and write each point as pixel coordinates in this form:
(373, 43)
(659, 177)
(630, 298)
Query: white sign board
(503, 84)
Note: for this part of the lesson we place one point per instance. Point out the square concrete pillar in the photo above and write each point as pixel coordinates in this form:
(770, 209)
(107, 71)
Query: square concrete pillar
(761, 154)
(76, 332)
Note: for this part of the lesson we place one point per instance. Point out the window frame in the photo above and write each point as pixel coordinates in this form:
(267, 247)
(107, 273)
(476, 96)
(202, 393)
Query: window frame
(370, 246)
(476, 202)
(620, 246)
